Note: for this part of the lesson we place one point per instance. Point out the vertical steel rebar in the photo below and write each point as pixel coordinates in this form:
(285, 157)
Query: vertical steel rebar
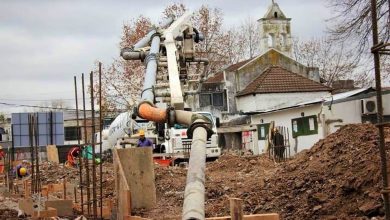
(78, 142)
(11, 158)
(37, 185)
(86, 152)
(31, 142)
(378, 86)
(93, 148)
(101, 140)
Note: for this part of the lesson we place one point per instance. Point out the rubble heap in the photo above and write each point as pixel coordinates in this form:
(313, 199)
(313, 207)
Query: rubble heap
(338, 178)
(8, 214)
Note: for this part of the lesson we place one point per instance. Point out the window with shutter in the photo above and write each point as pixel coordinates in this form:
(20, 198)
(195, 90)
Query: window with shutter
(304, 126)
(262, 130)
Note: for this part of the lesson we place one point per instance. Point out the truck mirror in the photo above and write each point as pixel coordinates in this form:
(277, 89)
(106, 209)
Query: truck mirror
(217, 122)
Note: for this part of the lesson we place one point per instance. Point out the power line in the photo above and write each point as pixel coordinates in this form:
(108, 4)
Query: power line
(36, 100)
(55, 108)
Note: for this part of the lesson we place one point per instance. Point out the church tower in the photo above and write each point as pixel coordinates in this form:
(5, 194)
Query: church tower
(275, 31)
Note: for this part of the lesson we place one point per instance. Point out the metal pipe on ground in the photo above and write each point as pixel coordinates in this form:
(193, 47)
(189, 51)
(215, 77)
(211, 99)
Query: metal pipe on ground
(194, 194)
(193, 207)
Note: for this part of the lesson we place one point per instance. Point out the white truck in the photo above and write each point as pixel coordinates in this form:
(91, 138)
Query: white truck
(123, 133)
(177, 142)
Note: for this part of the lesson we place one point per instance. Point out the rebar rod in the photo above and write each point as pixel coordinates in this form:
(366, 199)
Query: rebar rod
(31, 142)
(85, 143)
(38, 179)
(378, 86)
(101, 139)
(78, 142)
(93, 148)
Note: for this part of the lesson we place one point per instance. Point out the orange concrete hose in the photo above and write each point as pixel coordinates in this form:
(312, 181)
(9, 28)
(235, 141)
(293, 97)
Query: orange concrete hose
(148, 112)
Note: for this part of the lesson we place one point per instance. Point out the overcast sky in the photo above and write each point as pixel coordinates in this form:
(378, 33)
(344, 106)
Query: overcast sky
(44, 43)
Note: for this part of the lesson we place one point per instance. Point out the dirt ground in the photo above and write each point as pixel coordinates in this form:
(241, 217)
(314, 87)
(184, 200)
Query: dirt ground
(338, 178)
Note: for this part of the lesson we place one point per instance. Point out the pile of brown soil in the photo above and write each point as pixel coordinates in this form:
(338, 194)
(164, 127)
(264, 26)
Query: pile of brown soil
(338, 178)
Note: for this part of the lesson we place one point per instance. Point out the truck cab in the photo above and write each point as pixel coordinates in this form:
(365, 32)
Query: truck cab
(177, 142)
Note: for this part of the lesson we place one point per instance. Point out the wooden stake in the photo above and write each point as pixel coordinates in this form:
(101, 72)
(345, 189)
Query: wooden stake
(75, 194)
(236, 211)
(64, 188)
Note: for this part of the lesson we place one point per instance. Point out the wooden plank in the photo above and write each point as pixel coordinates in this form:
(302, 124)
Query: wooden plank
(106, 212)
(27, 188)
(236, 211)
(128, 217)
(122, 187)
(270, 216)
(138, 164)
(26, 205)
(64, 189)
(52, 153)
(56, 187)
(50, 212)
(64, 207)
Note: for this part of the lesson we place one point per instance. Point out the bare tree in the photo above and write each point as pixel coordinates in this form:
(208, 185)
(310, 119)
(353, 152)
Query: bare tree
(250, 34)
(235, 46)
(209, 22)
(334, 60)
(352, 22)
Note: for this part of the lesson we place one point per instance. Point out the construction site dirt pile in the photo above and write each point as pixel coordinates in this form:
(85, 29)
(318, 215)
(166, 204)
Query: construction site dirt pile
(338, 178)
(56, 173)
(7, 214)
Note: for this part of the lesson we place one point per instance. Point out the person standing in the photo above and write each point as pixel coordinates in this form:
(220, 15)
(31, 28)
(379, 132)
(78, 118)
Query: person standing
(278, 141)
(143, 141)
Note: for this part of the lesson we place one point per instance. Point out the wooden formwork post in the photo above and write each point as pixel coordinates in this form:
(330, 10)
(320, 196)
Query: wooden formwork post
(64, 183)
(236, 210)
(127, 204)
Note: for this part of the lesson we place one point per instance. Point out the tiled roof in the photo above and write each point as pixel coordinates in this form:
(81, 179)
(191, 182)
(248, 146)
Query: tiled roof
(235, 66)
(217, 78)
(278, 80)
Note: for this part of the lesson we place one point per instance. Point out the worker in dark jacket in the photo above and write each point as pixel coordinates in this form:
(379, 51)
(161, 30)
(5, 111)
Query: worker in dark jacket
(278, 141)
(142, 141)
(21, 169)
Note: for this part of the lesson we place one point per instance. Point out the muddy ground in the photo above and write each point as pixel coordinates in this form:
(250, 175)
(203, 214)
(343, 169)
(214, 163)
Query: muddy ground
(338, 178)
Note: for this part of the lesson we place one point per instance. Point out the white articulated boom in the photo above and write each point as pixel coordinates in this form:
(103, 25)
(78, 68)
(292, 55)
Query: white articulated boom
(174, 48)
